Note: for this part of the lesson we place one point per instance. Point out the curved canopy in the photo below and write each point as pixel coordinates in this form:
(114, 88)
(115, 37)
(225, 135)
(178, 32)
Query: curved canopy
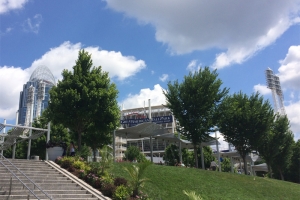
(148, 129)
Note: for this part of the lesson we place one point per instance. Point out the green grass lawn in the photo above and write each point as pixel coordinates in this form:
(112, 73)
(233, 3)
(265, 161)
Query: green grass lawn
(168, 182)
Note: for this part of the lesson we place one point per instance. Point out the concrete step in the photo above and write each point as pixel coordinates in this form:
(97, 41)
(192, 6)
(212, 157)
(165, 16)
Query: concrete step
(54, 196)
(6, 197)
(38, 192)
(46, 177)
(37, 179)
(14, 181)
(43, 186)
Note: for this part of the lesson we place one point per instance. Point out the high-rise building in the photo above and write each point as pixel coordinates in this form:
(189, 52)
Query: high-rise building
(39, 84)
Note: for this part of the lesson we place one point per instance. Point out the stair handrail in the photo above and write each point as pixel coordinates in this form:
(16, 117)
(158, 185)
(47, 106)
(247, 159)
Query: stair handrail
(45, 193)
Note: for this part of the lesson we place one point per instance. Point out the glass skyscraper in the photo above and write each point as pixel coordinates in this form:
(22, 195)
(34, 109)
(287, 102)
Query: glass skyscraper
(42, 74)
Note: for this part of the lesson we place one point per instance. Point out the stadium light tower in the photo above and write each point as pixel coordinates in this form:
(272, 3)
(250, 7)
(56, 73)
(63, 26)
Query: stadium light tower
(273, 83)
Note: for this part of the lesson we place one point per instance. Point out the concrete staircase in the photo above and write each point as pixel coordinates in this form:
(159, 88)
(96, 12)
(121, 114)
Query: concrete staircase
(56, 182)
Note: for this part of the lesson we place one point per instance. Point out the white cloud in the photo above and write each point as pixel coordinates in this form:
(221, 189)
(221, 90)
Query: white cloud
(293, 113)
(239, 28)
(137, 100)
(33, 25)
(64, 56)
(262, 89)
(289, 71)
(164, 77)
(11, 83)
(7, 5)
(193, 66)
(57, 59)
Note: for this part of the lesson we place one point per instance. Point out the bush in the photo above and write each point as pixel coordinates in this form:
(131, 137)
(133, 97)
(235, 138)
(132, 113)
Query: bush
(71, 169)
(108, 189)
(95, 168)
(79, 164)
(121, 193)
(66, 163)
(120, 181)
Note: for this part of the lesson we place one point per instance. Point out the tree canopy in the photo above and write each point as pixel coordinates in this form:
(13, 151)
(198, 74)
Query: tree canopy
(244, 121)
(84, 100)
(276, 148)
(194, 103)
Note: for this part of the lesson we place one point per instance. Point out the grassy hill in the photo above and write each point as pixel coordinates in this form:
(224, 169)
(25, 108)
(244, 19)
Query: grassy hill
(168, 182)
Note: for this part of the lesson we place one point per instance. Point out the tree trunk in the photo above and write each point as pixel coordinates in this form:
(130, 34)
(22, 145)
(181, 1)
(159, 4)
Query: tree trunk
(245, 165)
(270, 172)
(281, 174)
(79, 141)
(196, 156)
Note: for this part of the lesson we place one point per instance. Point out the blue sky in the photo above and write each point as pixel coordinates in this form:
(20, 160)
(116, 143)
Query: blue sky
(144, 44)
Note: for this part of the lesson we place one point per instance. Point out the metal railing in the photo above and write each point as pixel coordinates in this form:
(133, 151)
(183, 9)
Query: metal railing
(24, 185)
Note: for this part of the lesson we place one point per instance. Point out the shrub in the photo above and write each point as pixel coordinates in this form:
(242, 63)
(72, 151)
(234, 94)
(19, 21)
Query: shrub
(71, 169)
(108, 189)
(66, 163)
(120, 181)
(58, 160)
(95, 168)
(81, 174)
(121, 193)
(79, 164)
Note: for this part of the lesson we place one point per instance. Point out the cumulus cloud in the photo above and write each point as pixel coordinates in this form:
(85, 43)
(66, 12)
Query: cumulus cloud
(164, 77)
(238, 28)
(64, 56)
(11, 83)
(289, 71)
(7, 5)
(137, 100)
(292, 111)
(193, 66)
(33, 24)
(56, 59)
(262, 89)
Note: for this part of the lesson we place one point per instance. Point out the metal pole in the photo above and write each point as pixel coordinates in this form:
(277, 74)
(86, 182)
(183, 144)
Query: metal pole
(231, 162)
(180, 153)
(150, 118)
(4, 131)
(15, 144)
(217, 144)
(47, 140)
(202, 157)
(114, 145)
(30, 131)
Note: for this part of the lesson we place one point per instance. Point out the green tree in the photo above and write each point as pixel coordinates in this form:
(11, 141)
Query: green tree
(226, 165)
(84, 100)
(294, 168)
(171, 155)
(207, 154)
(97, 140)
(245, 121)
(276, 148)
(133, 152)
(283, 158)
(58, 135)
(194, 102)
